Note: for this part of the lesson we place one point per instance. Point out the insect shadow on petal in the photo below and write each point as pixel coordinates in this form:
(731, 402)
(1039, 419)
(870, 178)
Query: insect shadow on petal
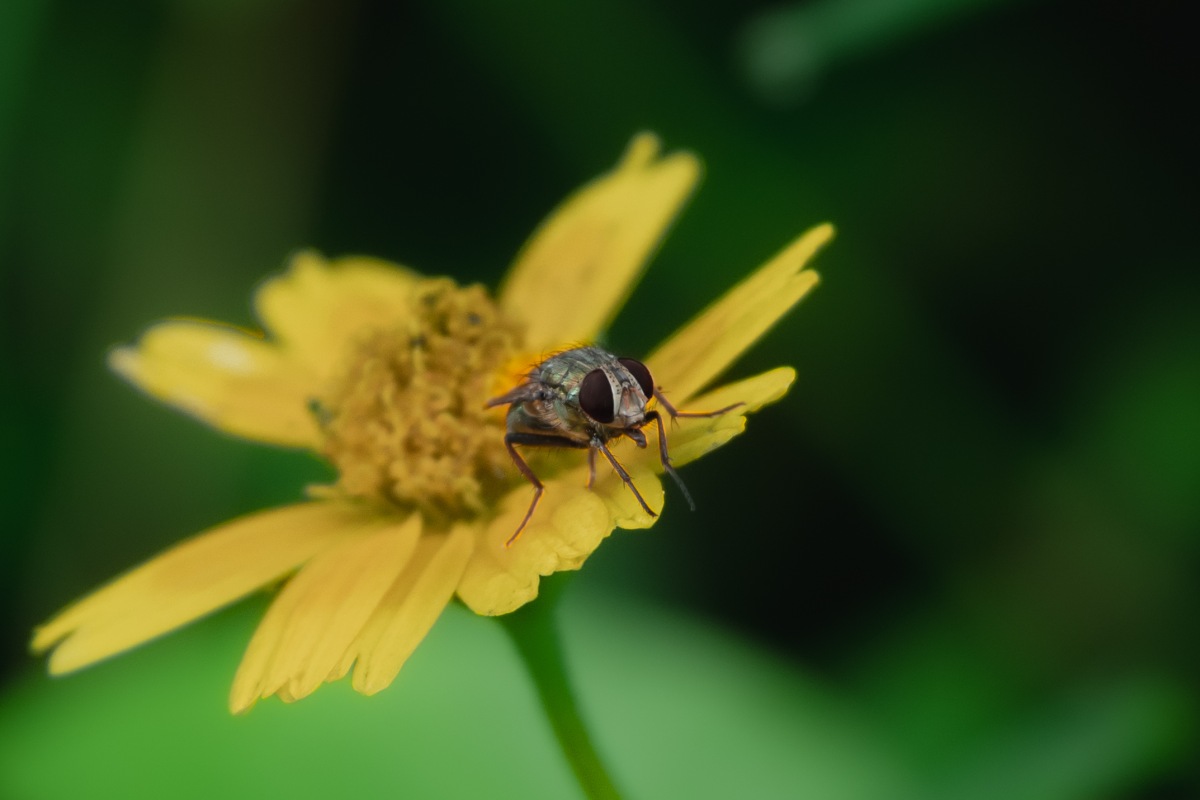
(583, 398)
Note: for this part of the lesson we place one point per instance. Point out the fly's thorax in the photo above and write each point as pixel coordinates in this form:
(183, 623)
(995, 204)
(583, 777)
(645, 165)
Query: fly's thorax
(565, 370)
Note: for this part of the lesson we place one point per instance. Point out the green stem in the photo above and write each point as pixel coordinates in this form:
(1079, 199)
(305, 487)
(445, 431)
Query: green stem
(535, 634)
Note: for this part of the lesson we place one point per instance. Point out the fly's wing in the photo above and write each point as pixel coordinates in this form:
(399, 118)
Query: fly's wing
(522, 393)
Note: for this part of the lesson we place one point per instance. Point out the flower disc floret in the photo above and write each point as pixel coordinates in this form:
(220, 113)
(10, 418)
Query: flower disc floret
(405, 421)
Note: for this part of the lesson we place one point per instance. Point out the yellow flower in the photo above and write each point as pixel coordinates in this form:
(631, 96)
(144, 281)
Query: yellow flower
(386, 373)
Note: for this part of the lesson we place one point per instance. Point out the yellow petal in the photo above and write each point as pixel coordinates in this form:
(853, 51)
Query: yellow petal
(410, 609)
(702, 349)
(226, 377)
(593, 247)
(694, 437)
(568, 525)
(316, 308)
(190, 580)
(320, 612)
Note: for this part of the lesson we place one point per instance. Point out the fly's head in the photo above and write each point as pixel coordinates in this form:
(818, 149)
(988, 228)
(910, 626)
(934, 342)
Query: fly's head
(616, 392)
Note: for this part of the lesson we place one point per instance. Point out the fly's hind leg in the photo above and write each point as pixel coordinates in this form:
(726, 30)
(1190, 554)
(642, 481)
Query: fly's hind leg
(512, 439)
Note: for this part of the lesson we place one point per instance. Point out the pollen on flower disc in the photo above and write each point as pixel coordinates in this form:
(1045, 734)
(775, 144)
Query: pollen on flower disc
(406, 421)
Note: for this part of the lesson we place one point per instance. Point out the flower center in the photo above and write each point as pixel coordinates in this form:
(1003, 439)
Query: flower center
(406, 423)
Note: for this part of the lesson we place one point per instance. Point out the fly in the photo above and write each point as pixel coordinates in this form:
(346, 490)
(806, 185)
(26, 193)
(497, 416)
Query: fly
(584, 398)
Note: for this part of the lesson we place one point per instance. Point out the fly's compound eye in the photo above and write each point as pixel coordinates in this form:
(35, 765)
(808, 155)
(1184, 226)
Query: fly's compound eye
(596, 396)
(642, 375)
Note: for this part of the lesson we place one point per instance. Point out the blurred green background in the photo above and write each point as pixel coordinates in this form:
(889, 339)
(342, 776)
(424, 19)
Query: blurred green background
(959, 560)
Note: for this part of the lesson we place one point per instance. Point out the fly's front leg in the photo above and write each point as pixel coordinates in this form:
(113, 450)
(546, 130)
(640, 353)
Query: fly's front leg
(662, 436)
(666, 459)
(533, 440)
(599, 444)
